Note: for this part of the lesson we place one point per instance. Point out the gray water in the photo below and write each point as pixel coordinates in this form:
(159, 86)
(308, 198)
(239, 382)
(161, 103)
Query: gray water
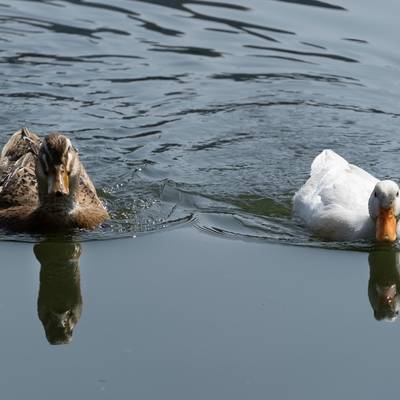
(198, 121)
(183, 315)
(204, 111)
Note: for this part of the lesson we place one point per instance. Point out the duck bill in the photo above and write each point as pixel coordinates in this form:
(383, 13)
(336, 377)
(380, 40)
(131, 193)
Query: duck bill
(58, 183)
(386, 225)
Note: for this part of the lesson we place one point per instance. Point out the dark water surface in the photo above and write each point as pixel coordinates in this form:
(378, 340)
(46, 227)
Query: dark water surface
(205, 110)
(205, 115)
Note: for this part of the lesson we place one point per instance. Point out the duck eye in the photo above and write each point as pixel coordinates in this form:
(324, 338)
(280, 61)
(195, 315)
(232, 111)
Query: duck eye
(374, 194)
(397, 194)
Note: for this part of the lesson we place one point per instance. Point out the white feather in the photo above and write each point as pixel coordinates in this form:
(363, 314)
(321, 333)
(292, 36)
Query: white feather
(334, 201)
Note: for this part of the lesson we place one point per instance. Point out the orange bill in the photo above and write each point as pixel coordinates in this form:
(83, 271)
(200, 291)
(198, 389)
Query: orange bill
(386, 225)
(59, 183)
(66, 182)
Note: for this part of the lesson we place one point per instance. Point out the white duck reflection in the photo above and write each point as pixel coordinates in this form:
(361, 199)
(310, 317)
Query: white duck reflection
(60, 300)
(384, 284)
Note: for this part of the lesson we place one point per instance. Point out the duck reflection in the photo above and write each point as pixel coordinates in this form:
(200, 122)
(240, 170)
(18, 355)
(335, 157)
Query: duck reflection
(384, 284)
(60, 300)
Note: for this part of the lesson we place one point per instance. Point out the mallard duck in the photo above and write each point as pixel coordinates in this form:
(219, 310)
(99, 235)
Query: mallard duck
(44, 186)
(341, 201)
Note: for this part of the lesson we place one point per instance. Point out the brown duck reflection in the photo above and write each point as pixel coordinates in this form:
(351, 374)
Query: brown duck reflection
(60, 300)
(384, 284)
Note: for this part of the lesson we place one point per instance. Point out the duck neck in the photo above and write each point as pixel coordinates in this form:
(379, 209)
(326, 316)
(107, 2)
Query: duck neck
(51, 203)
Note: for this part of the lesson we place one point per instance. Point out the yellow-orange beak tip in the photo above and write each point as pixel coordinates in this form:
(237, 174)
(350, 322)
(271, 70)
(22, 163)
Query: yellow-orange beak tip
(386, 225)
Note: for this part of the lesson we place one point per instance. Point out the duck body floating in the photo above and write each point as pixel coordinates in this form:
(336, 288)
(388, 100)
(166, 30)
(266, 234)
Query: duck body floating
(342, 202)
(44, 187)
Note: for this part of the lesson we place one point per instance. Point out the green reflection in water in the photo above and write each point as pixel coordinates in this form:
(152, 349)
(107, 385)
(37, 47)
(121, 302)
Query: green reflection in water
(261, 206)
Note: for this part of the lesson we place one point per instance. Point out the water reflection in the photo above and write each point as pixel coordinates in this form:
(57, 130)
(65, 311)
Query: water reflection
(60, 301)
(384, 284)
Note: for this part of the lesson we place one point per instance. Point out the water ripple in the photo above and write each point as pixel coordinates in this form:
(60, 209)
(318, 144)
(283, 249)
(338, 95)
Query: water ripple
(315, 3)
(59, 28)
(304, 53)
(203, 112)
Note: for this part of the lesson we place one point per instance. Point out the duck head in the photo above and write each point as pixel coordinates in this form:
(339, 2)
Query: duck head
(57, 170)
(384, 209)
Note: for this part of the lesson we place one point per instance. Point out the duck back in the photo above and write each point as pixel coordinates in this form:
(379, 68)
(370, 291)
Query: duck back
(334, 200)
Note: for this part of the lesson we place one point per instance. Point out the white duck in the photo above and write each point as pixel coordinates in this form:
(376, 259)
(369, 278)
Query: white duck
(340, 201)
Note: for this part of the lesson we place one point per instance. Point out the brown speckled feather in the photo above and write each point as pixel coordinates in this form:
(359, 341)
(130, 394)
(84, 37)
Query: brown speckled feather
(20, 143)
(20, 208)
(18, 186)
